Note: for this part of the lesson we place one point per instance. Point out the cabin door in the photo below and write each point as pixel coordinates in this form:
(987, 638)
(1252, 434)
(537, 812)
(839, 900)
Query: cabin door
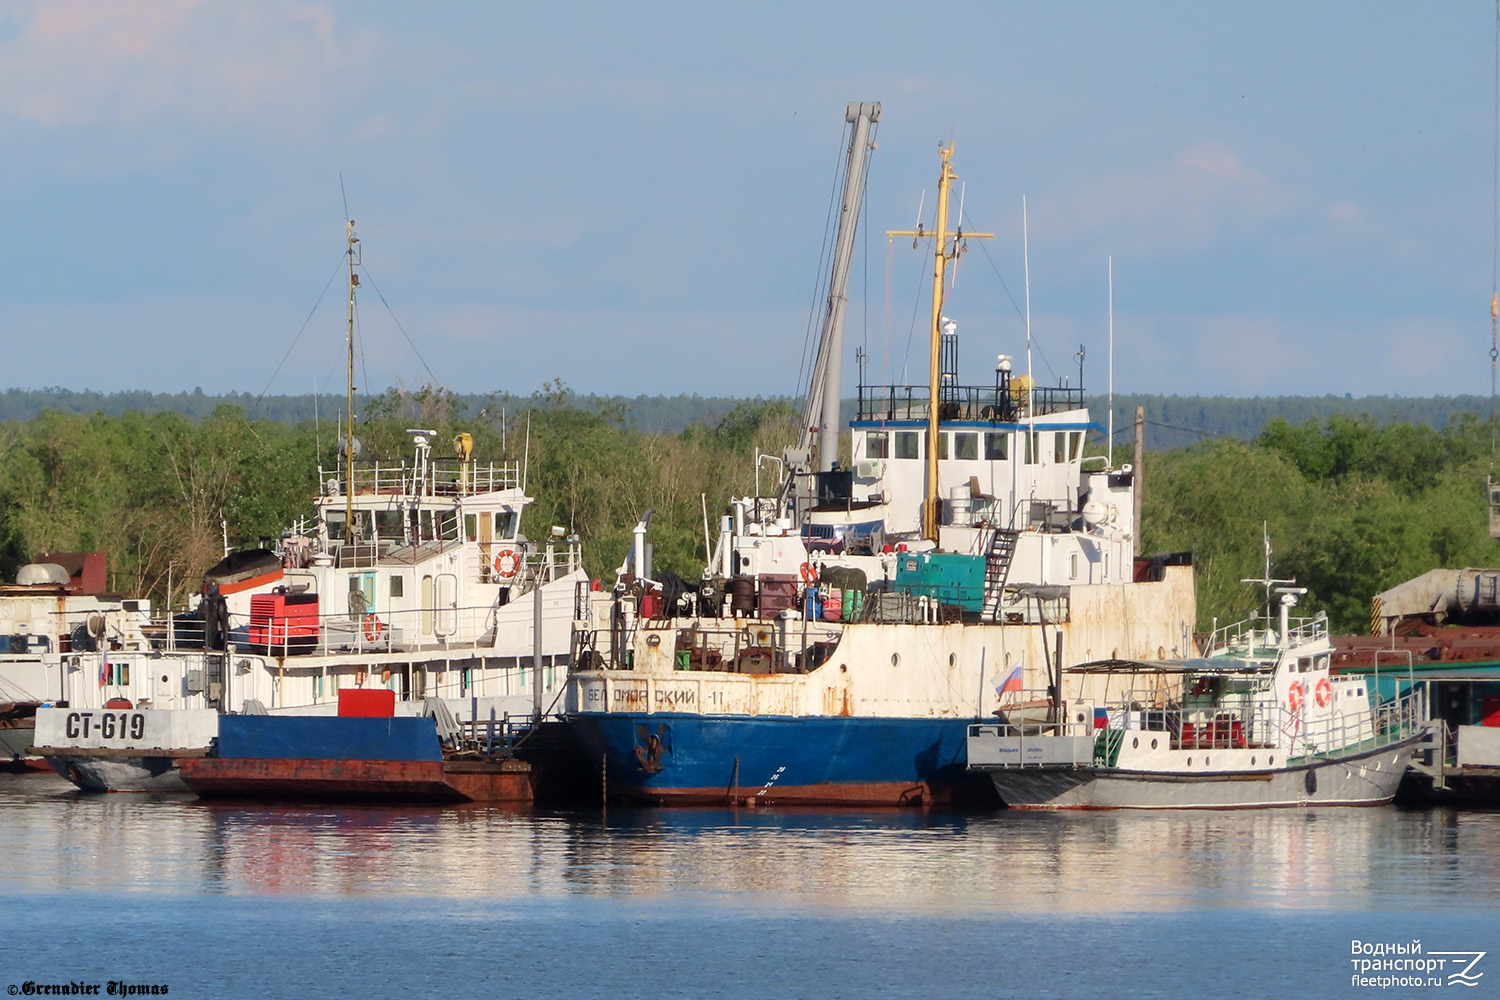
(486, 547)
(446, 622)
(362, 584)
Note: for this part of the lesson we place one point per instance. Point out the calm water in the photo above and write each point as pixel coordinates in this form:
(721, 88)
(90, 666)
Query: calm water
(240, 901)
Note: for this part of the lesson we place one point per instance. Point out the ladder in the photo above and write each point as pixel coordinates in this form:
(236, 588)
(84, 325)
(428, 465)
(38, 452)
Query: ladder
(996, 568)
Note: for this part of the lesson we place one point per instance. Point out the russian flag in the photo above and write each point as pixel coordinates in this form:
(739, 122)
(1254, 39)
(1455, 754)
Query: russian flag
(1012, 681)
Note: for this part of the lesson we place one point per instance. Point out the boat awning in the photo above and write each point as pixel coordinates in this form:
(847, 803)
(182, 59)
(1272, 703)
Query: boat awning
(1196, 665)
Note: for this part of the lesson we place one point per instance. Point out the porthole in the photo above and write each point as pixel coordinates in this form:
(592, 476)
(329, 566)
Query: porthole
(1271, 760)
(1135, 743)
(895, 659)
(952, 659)
(1252, 761)
(1153, 744)
(843, 668)
(1190, 762)
(1206, 760)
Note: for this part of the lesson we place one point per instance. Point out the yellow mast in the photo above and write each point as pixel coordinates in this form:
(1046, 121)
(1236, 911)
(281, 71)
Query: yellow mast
(944, 253)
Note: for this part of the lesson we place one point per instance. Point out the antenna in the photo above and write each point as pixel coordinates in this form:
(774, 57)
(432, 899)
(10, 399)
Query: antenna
(1030, 379)
(349, 450)
(1111, 458)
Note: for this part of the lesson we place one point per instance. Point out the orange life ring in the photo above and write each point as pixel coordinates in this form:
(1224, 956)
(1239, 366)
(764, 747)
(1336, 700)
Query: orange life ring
(506, 563)
(597, 587)
(1324, 692)
(373, 628)
(1296, 695)
(809, 573)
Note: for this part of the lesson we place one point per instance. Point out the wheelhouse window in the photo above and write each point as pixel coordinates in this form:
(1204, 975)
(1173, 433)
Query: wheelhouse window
(877, 445)
(1033, 447)
(471, 527)
(448, 524)
(364, 526)
(1075, 444)
(397, 587)
(908, 444)
(943, 446)
(1060, 447)
(996, 447)
(388, 525)
(507, 522)
(966, 447)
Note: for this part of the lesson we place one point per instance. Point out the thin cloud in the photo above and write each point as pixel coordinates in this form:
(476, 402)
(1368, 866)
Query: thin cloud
(1190, 200)
(132, 63)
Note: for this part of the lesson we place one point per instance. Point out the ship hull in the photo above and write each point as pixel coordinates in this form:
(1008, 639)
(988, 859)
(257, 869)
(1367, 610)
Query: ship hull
(101, 771)
(323, 780)
(781, 760)
(1369, 778)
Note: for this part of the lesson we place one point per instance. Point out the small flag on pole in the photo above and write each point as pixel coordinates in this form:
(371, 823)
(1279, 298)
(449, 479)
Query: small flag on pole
(1012, 681)
(104, 670)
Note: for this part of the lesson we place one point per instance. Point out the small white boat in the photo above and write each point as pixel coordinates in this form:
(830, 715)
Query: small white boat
(1259, 722)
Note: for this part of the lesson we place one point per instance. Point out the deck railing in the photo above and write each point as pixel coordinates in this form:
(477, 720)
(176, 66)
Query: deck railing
(1259, 636)
(1255, 720)
(973, 403)
(443, 477)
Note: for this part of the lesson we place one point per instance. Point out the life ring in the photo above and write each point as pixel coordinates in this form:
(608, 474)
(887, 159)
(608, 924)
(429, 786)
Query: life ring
(597, 587)
(506, 563)
(1323, 692)
(373, 628)
(1296, 695)
(809, 573)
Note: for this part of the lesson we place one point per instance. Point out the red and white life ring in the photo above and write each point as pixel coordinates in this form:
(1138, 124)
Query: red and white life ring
(373, 628)
(1323, 692)
(809, 573)
(1296, 696)
(506, 563)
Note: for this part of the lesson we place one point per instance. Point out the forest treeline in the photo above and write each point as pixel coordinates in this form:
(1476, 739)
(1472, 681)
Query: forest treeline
(1353, 503)
(1172, 421)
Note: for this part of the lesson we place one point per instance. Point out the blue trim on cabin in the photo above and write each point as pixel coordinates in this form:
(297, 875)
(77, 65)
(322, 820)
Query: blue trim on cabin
(982, 425)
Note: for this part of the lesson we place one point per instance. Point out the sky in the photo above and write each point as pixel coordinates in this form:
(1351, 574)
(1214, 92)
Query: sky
(1298, 199)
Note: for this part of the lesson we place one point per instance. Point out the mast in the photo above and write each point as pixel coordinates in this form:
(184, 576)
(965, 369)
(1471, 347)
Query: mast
(353, 254)
(944, 252)
(824, 389)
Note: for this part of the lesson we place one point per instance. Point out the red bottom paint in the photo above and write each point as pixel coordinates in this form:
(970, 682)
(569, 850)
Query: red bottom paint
(327, 780)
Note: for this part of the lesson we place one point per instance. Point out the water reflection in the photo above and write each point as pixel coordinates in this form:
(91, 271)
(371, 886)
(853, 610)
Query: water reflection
(858, 862)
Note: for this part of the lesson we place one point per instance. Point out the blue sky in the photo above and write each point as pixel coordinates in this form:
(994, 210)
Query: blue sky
(632, 197)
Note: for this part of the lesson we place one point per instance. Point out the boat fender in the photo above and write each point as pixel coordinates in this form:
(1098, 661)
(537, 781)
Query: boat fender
(1324, 692)
(359, 678)
(506, 563)
(1296, 695)
(373, 628)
